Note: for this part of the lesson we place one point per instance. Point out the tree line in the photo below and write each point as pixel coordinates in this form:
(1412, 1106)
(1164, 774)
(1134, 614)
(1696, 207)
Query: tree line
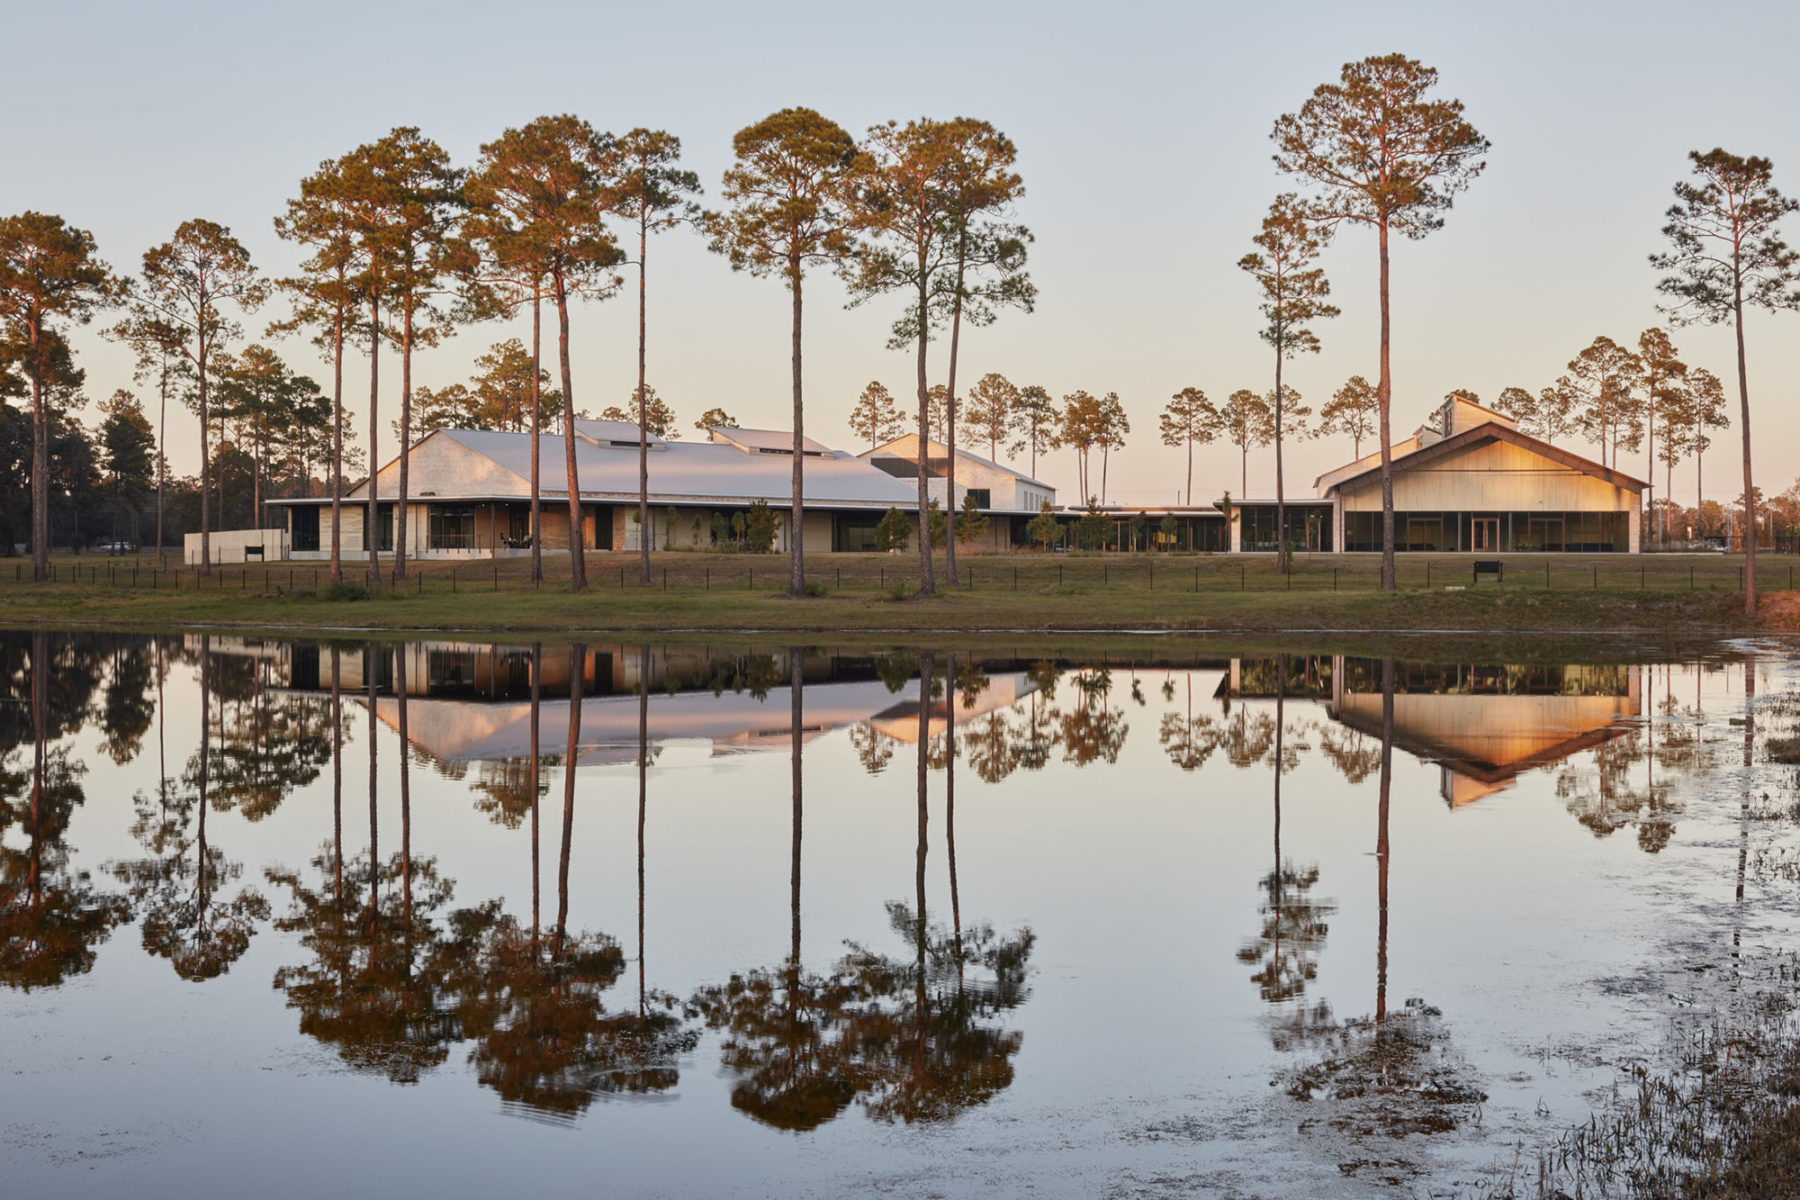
(404, 247)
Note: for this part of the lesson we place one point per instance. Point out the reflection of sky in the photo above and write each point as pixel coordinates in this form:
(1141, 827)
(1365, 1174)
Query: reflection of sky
(1139, 880)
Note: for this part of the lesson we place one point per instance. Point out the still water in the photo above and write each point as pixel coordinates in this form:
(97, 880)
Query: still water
(670, 920)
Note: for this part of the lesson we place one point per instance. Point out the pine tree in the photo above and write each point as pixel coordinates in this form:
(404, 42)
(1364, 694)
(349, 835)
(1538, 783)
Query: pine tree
(1382, 154)
(787, 189)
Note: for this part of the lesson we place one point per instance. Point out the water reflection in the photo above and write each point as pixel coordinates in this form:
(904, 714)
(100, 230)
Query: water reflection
(52, 917)
(915, 1014)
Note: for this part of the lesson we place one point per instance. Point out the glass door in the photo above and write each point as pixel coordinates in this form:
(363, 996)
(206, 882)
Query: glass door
(1485, 534)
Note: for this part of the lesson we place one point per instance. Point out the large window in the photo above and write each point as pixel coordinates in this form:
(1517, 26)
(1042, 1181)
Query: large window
(385, 521)
(1493, 532)
(1308, 527)
(303, 527)
(451, 527)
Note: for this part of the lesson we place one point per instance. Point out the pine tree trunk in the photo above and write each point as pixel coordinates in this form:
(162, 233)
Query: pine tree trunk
(537, 673)
(1381, 836)
(537, 409)
(577, 664)
(162, 435)
(927, 584)
(400, 513)
(1384, 392)
(370, 532)
(1281, 546)
(40, 474)
(642, 406)
(337, 446)
(950, 431)
(797, 508)
(577, 557)
(1737, 306)
(796, 717)
(205, 462)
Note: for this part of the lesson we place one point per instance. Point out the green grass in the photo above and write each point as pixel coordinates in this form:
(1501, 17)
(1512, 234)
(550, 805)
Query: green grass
(1661, 594)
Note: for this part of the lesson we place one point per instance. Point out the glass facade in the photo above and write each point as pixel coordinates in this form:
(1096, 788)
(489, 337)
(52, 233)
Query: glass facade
(385, 520)
(303, 527)
(1308, 528)
(451, 527)
(1494, 532)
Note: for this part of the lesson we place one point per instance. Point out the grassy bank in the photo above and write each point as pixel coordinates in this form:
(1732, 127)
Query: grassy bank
(878, 594)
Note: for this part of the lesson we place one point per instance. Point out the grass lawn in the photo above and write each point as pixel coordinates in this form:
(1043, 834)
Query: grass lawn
(1661, 594)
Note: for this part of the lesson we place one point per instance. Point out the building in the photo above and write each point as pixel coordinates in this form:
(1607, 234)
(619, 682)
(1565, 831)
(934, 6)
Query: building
(470, 494)
(1469, 480)
(1010, 498)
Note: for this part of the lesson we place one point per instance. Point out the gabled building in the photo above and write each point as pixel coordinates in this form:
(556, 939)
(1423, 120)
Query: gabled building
(470, 492)
(1010, 498)
(1470, 480)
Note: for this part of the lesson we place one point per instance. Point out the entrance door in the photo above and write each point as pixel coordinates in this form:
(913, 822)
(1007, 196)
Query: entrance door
(1486, 534)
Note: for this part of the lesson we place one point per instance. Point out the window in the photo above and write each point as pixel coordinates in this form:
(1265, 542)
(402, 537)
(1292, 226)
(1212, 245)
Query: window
(981, 497)
(451, 527)
(303, 527)
(384, 520)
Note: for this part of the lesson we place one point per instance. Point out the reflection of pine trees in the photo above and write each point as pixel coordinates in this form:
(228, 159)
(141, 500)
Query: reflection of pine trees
(503, 790)
(541, 1035)
(267, 744)
(989, 745)
(1618, 787)
(911, 1038)
(177, 892)
(372, 986)
(1093, 730)
(127, 706)
(52, 919)
(874, 749)
(1294, 924)
(1355, 755)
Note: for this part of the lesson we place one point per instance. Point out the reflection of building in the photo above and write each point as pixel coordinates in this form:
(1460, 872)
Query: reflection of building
(470, 702)
(1483, 725)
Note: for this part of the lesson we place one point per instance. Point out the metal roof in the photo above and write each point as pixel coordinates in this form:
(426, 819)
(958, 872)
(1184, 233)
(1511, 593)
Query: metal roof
(759, 440)
(680, 472)
(614, 431)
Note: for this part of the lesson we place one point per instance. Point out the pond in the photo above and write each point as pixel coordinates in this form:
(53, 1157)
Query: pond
(680, 920)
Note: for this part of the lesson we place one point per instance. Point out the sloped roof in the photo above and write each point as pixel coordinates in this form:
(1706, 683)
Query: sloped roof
(757, 440)
(1487, 431)
(936, 449)
(713, 472)
(614, 431)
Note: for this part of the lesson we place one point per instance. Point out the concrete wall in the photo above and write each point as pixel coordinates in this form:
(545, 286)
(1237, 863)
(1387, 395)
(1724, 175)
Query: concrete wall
(230, 545)
(1497, 477)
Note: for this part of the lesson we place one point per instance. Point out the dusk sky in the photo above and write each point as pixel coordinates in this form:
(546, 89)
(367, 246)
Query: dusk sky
(1143, 137)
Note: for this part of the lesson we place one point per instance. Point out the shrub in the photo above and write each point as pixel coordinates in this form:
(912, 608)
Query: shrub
(894, 531)
(345, 589)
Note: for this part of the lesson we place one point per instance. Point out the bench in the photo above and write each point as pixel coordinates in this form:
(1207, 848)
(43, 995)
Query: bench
(1489, 566)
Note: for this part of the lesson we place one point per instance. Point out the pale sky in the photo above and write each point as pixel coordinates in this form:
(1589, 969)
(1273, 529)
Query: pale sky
(1143, 137)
